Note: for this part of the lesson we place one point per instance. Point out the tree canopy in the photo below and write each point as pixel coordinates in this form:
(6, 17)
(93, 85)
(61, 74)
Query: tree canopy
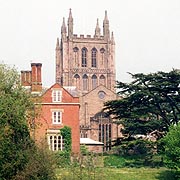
(20, 157)
(148, 98)
(14, 132)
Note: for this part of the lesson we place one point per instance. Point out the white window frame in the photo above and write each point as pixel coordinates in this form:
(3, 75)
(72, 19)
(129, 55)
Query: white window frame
(56, 95)
(55, 140)
(56, 116)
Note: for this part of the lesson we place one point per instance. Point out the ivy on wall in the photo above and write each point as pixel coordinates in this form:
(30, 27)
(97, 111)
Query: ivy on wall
(66, 134)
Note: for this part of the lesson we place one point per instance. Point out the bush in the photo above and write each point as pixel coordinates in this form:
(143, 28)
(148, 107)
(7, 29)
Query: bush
(172, 147)
(63, 158)
(114, 161)
(41, 165)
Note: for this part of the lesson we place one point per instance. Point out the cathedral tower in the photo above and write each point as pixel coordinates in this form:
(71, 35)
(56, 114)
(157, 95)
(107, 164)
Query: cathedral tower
(87, 62)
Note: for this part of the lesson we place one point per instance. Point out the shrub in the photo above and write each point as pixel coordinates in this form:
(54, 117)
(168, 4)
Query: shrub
(41, 165)
(114, 161)
(172, 147)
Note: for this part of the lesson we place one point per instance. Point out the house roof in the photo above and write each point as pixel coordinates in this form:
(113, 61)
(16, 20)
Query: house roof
(89, 141)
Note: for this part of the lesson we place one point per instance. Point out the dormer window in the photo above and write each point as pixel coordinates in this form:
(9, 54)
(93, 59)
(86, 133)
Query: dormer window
(56, 96)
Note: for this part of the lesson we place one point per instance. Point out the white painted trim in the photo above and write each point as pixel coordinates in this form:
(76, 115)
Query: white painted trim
(58, 103)
(53, 131)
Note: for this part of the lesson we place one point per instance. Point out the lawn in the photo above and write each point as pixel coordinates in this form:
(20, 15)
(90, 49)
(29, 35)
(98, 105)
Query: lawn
(115, 174)
(113, 167)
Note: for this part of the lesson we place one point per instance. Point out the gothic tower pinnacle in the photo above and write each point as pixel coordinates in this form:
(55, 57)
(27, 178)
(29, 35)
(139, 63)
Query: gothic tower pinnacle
(97, 30)
(70, 25)
(57, 44)
(63, 30)
(112, 38)
(106, 27)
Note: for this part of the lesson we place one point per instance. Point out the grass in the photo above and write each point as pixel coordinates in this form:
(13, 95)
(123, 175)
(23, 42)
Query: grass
(116, 174)
(113, 167)
(132, 161)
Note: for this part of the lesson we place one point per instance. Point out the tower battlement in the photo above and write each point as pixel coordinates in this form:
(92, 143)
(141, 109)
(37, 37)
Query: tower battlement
(89, 37)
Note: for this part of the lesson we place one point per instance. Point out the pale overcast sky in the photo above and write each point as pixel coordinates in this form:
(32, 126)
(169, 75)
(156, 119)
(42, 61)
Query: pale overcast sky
(147, 32)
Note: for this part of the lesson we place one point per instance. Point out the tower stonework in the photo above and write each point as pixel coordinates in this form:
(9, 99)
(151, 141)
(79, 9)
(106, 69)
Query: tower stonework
(88, 62)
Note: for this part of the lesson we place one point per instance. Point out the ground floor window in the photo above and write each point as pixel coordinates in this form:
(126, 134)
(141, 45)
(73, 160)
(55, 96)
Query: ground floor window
(55, 142)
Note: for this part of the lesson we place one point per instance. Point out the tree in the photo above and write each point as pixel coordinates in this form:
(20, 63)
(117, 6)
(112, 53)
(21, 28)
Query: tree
(172, 147)
(20, 158)
(150, 102)
(14, 133)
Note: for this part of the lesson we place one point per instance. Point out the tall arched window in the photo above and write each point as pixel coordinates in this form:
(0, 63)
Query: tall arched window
(93, 57)
(77, 81)
(94, 81)
(85, 82)
(102, 80)
(84, 57)
(76, 59)
(102, 50)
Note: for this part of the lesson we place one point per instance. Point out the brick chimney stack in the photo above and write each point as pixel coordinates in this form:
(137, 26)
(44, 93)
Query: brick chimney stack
(26, 78)
(36, 82)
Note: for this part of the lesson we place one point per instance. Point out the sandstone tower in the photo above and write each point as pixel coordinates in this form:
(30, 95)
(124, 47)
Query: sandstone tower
(88, 63)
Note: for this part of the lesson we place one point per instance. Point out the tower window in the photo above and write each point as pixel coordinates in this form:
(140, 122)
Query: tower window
(85, 82)
(75, 49)
(93, 57)
(76, 56)
(94, 81)
(84, 57)
(77, 81)
(102, 80)
(102, 50)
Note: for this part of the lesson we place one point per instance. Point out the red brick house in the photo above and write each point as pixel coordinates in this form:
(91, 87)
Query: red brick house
(59, 107)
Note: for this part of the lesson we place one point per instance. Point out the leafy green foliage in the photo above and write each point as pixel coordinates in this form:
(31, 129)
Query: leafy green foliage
(83, 149)
(41, 165)
(172, 147)
(14, 133)
(66, 134)
(20, 158)
(63, 157)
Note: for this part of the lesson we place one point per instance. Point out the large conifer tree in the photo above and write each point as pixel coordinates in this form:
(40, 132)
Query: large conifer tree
(150, 102)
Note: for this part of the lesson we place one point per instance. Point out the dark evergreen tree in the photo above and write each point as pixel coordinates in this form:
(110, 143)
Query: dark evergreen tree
(150, 102)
